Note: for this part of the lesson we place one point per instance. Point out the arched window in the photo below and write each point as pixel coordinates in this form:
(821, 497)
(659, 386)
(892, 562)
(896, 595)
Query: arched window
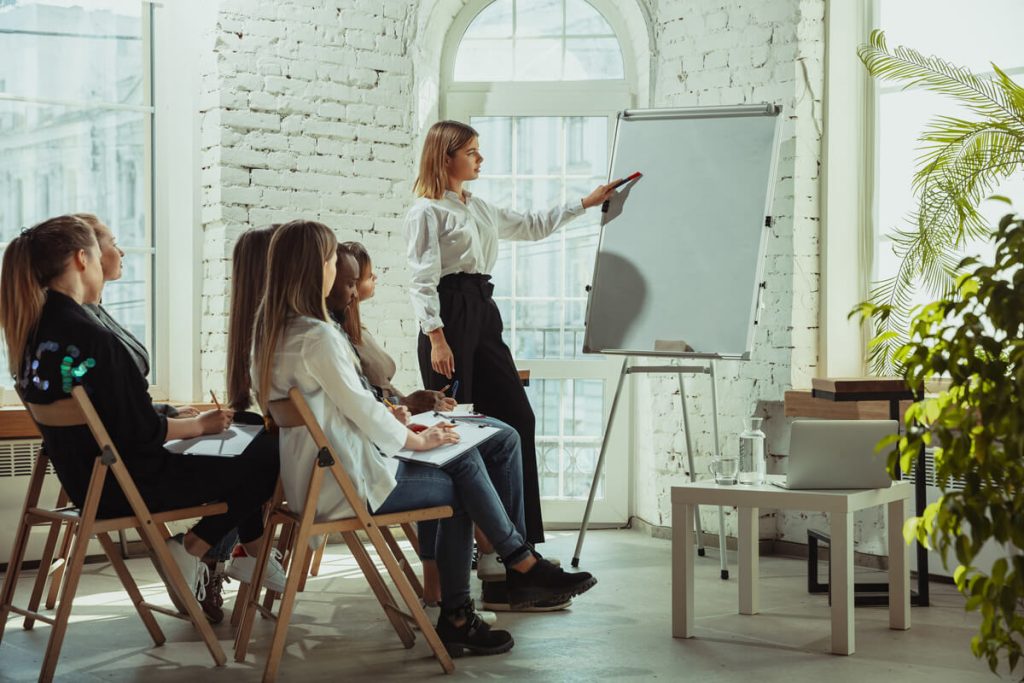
(542, 81)
(538, 40)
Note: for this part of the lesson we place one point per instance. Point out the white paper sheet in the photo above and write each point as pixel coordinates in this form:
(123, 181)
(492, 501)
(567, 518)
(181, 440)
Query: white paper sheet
(470, 435)
(227, 444)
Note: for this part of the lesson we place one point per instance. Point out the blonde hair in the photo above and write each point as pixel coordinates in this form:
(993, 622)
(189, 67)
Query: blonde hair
(444, 139)
(295, 287)
(31, 261)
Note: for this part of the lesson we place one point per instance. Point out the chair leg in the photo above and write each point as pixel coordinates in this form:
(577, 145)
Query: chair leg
(46, 570)
(240, 599)
(252, 598)
(114, 555)
(411, 599)
(379, 588)
(412, 537)
(318, 558)
(57, 571)
(67, 597)
(13, 571)
(307, 562)
(283, 545)
(284, 614)
(403, 562)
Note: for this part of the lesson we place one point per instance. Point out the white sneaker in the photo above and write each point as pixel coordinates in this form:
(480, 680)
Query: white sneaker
(195, 571)
(242, 566)
(489, 567)
(434, 613)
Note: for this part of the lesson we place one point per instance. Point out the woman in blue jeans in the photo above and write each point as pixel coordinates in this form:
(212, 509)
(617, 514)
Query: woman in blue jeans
(297, 345)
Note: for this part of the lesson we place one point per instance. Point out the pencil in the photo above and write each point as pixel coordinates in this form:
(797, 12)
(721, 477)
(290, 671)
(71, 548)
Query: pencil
(215, 401)
(388, 403)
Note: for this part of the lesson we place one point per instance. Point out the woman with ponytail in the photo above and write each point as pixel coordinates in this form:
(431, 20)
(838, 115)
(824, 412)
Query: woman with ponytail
(54, 344)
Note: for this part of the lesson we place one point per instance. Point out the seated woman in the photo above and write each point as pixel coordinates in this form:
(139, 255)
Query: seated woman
(298, 346)
(53, 344)
(356, 282)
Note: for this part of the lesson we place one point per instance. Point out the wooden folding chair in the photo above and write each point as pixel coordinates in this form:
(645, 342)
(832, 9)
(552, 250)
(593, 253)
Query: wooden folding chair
(294, 412)
(83, 523)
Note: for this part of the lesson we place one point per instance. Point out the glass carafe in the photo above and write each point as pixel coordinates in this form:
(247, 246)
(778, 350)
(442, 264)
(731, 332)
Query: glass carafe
(753, 466)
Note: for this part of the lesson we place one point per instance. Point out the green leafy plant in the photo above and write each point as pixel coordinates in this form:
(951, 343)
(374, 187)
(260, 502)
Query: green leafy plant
(962, 160)
(974, 337)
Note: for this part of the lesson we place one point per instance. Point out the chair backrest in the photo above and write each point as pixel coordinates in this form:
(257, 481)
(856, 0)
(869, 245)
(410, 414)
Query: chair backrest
(294, 411)
(63, 413)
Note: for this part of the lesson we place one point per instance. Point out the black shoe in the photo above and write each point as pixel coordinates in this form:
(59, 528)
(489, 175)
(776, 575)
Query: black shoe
(545, 582)
(494, 597)
(474, 635)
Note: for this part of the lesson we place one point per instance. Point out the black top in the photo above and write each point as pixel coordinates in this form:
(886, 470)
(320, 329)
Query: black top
(68, 348)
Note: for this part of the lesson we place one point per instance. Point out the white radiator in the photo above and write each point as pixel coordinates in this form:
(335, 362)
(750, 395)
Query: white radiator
(990, 552)
(17, 457)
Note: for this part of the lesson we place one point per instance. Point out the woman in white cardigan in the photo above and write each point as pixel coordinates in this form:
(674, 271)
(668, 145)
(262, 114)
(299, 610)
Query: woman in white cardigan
(296, 345)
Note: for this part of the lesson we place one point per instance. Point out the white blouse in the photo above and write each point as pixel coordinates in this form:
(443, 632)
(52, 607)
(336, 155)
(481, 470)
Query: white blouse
(446, 236)
(316, 357)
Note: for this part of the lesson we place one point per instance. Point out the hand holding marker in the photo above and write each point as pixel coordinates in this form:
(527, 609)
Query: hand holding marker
(629, 178)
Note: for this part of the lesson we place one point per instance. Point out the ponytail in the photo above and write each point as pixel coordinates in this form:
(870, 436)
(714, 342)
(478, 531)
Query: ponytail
(31, 261)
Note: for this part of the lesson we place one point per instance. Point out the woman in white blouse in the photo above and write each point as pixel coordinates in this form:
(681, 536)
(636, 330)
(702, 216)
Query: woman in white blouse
(452, 247)
(297, 345)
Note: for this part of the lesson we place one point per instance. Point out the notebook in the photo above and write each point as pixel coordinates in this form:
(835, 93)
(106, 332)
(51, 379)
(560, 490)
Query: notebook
(229, 443)
(470, 436)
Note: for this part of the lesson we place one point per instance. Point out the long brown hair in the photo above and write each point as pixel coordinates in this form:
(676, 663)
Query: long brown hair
(248, 282)
(353, 324)
(31, 261)
(295, 286)
(444, 139)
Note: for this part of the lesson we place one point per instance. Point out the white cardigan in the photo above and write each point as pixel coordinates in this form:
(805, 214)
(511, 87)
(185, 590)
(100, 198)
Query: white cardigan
(316, 357)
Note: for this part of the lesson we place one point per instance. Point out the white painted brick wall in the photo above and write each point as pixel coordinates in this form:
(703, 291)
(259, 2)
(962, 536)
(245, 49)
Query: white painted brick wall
(309, 112)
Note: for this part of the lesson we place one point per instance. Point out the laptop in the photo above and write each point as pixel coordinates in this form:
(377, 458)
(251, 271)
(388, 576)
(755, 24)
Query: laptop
(838, 454)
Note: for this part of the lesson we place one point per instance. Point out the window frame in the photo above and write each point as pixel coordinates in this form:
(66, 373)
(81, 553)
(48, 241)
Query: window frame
(156, 325)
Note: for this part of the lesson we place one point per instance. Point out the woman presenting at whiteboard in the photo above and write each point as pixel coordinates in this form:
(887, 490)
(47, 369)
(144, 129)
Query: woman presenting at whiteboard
(452, 246)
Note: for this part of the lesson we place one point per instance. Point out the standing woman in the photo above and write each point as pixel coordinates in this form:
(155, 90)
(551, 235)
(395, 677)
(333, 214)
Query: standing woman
(453, 246)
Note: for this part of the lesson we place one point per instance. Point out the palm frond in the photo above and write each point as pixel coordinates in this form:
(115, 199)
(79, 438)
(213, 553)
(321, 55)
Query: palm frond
(984, 96)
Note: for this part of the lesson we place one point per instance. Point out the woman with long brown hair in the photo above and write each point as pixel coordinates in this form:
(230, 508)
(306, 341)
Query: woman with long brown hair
(452, 247)
(298, 345)
(53, 345)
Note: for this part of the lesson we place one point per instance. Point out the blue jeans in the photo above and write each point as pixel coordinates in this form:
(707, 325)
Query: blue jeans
(503, 457)
(464, 484)
(221, 551)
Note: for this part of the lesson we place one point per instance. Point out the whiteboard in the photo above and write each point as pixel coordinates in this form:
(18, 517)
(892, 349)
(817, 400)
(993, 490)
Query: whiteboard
(681, 255)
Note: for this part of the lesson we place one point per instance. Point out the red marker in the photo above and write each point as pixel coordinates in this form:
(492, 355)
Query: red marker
(627, 179)
(618, 184)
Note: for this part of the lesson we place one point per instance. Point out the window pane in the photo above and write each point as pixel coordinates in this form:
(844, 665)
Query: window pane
(538, 329)
(538, 266)
(572, 338)
(592, 58)
(569, 431)
(539, 146)
(125, 299)
(57, 160)
(538, 59)
(583, 20)
(586, 146)
(494, 21)
(496, 191)
(538, 195)
(72, 53)
(584, 415)
(580, 252)
(538, 18)
(545, 398)
(495, 142)
(484, 60)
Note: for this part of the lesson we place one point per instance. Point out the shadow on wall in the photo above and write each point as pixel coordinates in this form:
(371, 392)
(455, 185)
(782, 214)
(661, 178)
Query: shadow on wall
(623, 293)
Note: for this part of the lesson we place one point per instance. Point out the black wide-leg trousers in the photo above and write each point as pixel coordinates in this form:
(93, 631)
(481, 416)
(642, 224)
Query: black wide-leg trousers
(486, 373)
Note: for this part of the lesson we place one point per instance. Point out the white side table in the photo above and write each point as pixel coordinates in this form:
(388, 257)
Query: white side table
(840, 506)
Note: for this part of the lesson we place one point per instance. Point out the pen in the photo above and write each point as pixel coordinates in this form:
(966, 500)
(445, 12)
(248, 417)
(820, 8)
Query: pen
(215, 401)
(455, 388)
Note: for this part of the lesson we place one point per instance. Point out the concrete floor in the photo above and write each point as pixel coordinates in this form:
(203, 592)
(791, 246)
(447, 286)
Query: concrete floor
(619, 631)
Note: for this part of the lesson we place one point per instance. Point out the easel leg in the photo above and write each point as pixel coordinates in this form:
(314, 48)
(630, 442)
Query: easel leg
(722, 545)
(600, 465)
(689, 460)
